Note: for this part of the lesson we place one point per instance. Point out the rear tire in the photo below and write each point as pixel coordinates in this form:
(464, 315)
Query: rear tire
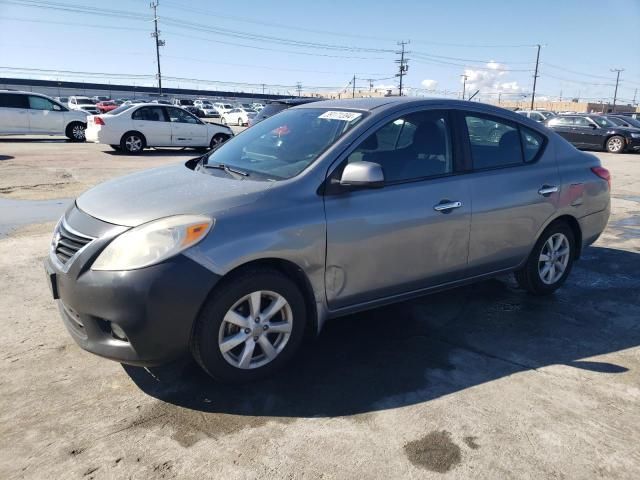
(615, 144)
(132, 143)
(75, 131)
(550, 261)
(250, 328)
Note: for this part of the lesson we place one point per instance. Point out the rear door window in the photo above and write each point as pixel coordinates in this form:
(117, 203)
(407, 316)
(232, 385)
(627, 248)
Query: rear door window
(532, 143)
(150, 114)
(13, 100)
(494, 142)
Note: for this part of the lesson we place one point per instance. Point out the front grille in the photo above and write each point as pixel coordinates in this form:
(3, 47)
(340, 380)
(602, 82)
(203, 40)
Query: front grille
(68, 243)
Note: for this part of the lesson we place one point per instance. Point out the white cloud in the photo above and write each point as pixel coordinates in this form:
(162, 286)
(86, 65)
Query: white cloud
(429, 84)
(490, 79)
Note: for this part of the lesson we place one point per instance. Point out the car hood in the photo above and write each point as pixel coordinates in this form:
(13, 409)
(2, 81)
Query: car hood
(148, 195)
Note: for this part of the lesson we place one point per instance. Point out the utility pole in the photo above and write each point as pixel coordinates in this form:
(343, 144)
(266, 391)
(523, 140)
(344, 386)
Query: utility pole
(353, 87)
(299, 88)
(464, 85)
(263, 88)
(159, 43)
(615, 93)
(635, 93)
(535, 76)
(403, 64)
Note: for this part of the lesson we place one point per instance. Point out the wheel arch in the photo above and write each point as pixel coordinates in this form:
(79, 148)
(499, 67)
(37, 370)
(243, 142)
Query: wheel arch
(289, 269)
(573, 223)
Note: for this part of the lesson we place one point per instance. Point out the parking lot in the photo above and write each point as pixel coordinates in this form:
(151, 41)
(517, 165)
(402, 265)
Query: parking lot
(482, 381)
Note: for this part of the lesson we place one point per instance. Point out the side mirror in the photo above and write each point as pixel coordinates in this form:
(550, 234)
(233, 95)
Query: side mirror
(57, 108)
(362, 175)
(593, 125)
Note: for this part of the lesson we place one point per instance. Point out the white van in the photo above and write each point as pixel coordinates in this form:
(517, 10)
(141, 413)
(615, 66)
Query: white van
(26, 113)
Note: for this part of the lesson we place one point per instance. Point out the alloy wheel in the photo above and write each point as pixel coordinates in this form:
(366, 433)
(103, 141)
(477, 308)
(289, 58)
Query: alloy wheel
(554, 258)
(133, 143)
(78, 132)
(255, 329)
(615, 144)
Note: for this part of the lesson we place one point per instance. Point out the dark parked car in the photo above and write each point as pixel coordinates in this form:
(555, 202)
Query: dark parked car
(195, 110)
(596, 132)
(623, 121)
(322, 210)
(275, 106)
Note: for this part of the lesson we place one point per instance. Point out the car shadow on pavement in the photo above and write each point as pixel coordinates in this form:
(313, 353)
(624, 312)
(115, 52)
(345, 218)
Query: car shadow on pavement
(423, 349)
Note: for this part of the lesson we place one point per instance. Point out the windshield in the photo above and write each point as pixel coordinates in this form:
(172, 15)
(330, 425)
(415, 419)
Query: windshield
(85, 101)
(282, 146)
(603, 122)
(120, 109)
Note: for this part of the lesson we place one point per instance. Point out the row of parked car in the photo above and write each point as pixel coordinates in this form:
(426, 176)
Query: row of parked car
(228, 113)
(125, 125)
(611, 132)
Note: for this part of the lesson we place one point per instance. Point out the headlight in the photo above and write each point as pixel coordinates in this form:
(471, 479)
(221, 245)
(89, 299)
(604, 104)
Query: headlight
(635, 135)
(153, 242)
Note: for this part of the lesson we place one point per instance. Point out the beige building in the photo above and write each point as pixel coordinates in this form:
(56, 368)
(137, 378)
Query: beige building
(569, 106)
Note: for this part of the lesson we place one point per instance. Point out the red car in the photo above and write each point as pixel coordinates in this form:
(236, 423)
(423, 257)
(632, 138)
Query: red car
(107, 106)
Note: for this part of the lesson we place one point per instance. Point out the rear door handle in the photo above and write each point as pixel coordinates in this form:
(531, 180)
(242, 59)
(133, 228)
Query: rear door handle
(446, 207)
(547, 190)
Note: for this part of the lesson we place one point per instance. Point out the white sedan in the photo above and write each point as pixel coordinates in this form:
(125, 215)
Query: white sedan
(238, 116)
(132, 128)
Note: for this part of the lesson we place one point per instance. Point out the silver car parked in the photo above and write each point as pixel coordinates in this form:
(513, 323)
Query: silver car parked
(322, 210)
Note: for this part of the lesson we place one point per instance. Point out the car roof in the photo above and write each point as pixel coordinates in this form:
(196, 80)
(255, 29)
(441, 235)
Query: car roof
(389, 103)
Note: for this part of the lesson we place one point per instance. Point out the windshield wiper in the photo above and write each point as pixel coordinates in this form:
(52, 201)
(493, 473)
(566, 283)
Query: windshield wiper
(226, 168)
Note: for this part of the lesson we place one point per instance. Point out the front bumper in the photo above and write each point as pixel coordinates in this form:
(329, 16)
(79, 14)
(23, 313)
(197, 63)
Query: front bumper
(155, 306)
(633, 144)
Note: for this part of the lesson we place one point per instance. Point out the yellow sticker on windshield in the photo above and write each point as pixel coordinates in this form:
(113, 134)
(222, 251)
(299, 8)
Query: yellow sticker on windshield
(338, 115)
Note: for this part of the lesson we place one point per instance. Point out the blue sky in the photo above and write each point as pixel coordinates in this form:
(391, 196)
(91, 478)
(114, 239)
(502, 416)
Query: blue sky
(490, 41)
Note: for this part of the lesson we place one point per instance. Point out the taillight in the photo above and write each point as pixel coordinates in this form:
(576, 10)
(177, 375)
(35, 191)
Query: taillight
(603, 173)
(98, 121)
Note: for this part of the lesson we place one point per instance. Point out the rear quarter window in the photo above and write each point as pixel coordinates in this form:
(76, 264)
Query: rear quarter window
(13, 100)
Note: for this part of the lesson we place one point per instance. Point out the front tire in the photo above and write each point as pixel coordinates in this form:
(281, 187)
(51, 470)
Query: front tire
(250, 326)
(75, 131)
(132, 143)
(217, 139)
(550, 262)
(240, 122)
(615, 144)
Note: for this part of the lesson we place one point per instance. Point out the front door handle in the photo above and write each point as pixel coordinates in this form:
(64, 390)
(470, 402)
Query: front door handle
(446, 206)
(547, 190)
